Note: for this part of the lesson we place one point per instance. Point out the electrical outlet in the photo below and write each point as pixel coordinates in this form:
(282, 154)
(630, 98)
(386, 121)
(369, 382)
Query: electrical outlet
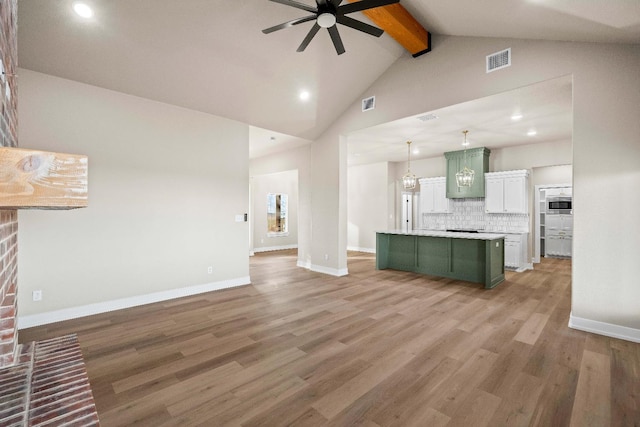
(326, 257)
(210, 269)
(37, 295)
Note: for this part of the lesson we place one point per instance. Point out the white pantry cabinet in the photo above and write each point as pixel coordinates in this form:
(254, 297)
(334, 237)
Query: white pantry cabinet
(433, 195)
(507, 192)
(558, 235)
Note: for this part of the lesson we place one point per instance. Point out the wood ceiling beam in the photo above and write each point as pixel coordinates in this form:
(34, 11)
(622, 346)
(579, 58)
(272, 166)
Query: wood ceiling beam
(402, 26)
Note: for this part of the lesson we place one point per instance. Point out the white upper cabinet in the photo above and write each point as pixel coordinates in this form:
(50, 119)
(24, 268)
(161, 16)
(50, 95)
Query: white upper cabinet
(507, 192)
(433, 193)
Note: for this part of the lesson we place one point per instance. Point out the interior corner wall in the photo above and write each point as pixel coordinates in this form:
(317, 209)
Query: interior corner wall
(368, 205)
(606, 146)
(261, 187)
(531, 156)
(392, 195)
(552, 175)
(298, 159)
(327, 219)
(165, 186)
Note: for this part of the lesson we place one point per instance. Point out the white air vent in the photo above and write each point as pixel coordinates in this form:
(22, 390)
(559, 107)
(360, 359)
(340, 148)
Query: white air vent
(369, 103)
(499, 60)
(427, 117)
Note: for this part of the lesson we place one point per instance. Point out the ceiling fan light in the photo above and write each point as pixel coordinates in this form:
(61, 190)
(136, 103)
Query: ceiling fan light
(326, 20)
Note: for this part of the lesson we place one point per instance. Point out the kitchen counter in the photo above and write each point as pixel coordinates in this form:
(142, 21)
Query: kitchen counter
(474, 257)
(451, 234)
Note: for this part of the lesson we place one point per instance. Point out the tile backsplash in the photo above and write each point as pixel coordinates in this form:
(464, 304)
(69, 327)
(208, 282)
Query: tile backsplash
(469, 214)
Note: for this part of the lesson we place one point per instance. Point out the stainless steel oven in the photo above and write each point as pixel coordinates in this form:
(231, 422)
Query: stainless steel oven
(559, 205)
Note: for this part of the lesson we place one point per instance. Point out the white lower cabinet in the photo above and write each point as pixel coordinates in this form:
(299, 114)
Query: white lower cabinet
(558, 246)
(515, 251)
(558, 236)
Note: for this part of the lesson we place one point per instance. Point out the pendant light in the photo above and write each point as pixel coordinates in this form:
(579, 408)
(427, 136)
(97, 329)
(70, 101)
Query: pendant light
(464, 178)
(409, 179)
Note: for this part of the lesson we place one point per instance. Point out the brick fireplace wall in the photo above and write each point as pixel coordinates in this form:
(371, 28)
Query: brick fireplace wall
(8, 218)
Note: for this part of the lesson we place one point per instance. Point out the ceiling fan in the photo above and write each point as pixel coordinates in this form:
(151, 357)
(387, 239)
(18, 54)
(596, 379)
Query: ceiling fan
(327, 14)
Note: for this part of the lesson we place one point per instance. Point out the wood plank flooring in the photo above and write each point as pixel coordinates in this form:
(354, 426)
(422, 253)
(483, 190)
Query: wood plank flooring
(375, 348)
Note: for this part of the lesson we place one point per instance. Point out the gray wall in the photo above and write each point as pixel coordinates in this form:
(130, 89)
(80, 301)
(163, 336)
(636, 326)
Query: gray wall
(298, 159)
(606, 149)
(165, 184)
(261, 185)
(368, 204)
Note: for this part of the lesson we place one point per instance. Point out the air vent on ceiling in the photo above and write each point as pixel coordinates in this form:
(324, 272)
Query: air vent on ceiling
(499, 60)
(369, 103)
(427, 117)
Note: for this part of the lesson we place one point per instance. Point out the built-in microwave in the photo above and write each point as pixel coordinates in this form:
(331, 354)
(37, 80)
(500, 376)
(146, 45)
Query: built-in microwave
(559, 205)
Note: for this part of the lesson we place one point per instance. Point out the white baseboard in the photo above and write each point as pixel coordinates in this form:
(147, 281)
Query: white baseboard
(304, 264)
(275, 248)
(358, 249)
(606, 329)
(322, 269)
(40, 319)
(338, 272)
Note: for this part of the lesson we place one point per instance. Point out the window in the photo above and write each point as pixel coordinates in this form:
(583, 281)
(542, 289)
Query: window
(277, 207)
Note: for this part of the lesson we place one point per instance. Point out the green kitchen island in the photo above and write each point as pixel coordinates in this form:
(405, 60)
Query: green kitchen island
(474, 257)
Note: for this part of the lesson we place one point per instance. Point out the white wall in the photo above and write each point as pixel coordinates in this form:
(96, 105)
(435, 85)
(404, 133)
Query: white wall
(606, 149)
(368, 204)
(531, 156)
(298, 159)
(550, 175)
(261, 185)
(164, 186)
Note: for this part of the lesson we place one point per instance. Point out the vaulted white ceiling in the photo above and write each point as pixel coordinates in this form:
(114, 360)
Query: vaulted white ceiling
(211, 56)
(541, 112)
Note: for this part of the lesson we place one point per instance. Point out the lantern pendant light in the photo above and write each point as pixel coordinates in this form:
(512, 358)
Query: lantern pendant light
(464, 178)
(409, 179)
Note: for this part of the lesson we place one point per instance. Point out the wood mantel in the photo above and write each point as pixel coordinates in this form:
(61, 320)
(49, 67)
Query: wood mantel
(33, 179)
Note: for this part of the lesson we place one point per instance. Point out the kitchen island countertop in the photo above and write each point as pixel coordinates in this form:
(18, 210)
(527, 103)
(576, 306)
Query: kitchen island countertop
(449, 234)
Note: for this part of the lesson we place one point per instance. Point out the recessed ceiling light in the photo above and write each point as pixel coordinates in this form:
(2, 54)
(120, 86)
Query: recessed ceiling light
(83, 10)
(516, 116)
(416, 151)
(532, 133)
(305, 95)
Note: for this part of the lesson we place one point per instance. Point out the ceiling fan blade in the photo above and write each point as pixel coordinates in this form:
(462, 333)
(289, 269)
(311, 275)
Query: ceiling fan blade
(337, 41)
(296, 5)
(312, 33)
(363, 5)
(335, 3)
(289, 24)
(359, 25)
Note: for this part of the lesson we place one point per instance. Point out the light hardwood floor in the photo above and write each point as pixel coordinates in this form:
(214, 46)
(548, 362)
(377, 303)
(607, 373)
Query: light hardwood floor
(375, 348)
